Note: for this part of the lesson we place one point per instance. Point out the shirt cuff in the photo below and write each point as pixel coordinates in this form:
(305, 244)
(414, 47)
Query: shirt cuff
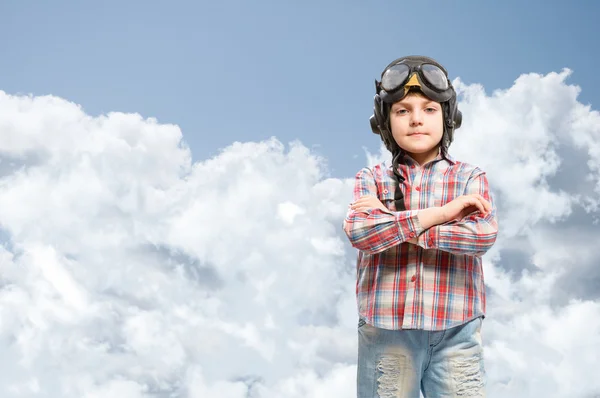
(430, 239)
(411, 224)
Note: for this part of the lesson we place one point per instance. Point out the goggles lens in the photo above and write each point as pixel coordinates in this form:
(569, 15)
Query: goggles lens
(394, 77)
(397, 75)
(435, 76)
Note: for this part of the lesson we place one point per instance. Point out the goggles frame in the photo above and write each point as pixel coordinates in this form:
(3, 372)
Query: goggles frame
(391, 90)
(390, 85)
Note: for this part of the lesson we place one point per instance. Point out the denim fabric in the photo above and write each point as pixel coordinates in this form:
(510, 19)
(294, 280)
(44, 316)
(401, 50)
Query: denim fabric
(404, 363)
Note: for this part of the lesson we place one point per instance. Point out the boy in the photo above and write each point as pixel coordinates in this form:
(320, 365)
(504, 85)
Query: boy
(421, 226)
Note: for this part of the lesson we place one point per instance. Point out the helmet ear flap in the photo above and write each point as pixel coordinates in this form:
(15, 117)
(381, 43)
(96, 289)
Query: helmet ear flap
(457, 119)
(452, 121)
(379, 124)
(452, 116)
(378, 120)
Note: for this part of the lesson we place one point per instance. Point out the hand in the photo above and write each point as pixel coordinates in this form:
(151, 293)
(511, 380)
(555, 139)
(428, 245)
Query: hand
(464, 205)
(367, 202)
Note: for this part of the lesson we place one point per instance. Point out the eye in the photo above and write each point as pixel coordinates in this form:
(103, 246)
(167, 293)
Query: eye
(430, 109)
(400, 111)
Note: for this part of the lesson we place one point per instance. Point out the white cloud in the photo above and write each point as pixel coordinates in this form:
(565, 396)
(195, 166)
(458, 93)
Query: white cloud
(288, 211)
(129, 271)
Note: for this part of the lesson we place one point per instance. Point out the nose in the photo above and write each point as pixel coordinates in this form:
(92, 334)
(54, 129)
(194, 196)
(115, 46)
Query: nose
(416, 118)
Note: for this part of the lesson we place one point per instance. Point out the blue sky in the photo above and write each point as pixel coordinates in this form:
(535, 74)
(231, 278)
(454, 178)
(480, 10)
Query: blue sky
(244, 71)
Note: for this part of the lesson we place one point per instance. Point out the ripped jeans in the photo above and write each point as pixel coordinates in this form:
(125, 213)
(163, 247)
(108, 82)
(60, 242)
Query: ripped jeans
(403, 363)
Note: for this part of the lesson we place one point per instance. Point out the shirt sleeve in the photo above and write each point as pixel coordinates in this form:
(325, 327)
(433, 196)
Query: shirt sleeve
(375, 230)
(473, 235)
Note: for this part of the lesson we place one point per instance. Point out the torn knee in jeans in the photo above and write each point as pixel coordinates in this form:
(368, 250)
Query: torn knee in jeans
(392, 382)
(468, 375)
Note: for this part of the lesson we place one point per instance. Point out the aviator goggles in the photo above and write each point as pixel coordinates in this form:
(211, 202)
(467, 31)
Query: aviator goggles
(429, 78)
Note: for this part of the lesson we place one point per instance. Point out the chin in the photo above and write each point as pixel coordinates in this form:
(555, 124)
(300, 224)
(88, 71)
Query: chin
(418, 149)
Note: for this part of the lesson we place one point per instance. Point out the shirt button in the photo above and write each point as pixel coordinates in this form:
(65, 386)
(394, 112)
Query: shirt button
(418, 188)
(430, 242)
(412, 166)
(414, 278)
(412, 235)
(385, 191)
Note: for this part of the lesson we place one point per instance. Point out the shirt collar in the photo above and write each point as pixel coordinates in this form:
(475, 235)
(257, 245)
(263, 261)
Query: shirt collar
(408, 160)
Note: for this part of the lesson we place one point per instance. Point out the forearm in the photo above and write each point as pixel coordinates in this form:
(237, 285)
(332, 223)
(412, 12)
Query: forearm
(473, 236)
(376, 230)
(430, 217)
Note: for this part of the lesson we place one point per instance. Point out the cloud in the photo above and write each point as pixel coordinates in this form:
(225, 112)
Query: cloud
(125, 266)
(127, 270)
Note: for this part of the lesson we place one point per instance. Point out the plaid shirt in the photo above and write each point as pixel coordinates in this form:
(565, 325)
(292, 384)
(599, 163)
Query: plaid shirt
(437, 284)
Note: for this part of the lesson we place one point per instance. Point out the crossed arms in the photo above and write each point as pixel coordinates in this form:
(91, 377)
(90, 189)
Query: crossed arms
(458, 227)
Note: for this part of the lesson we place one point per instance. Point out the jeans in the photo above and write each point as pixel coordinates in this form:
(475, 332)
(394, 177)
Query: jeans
(403, 363)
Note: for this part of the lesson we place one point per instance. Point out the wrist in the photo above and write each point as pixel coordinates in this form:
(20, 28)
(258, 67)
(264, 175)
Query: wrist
(431, 216)
(441, 216)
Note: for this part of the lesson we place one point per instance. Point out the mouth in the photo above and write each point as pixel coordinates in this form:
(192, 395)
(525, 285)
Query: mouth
(417, 134)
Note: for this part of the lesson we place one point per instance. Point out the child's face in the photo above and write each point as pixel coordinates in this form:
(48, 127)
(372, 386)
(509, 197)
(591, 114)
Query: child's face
(417, 125)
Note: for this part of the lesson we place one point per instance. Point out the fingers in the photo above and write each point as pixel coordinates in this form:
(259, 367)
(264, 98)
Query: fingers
(478, 203)
(366, 202)
(361, 203)
(483, 205)
(364, 199)
(487, 205)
